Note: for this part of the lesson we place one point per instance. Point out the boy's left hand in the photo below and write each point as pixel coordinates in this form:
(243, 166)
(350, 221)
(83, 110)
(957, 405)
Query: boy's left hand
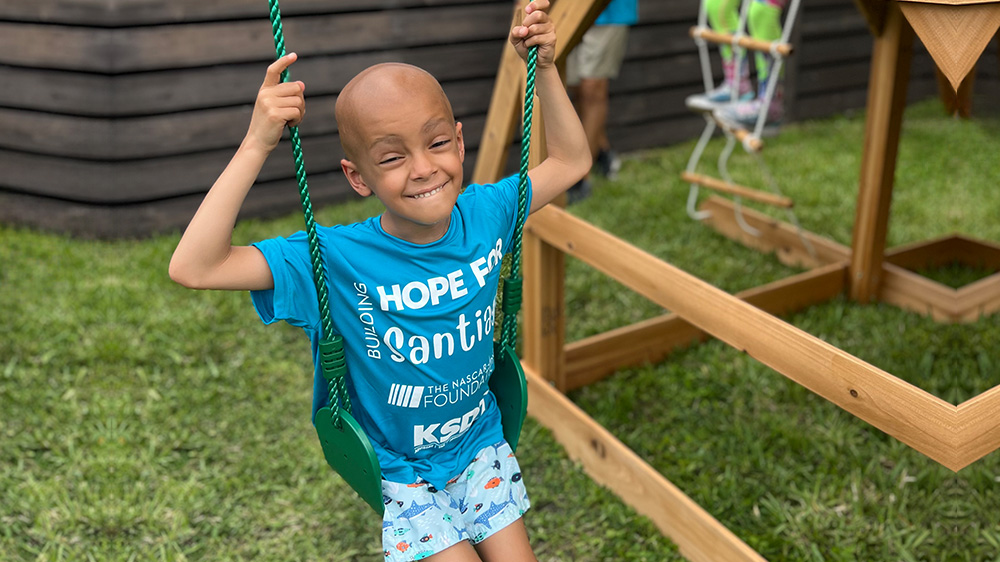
(536, 29)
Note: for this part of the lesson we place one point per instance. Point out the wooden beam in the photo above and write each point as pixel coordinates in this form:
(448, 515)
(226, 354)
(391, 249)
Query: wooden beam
(874, 12)
(890, 71)
(924, 254)
(911, 291)
(757, 195)
(978, 299)
(544, 319)
(611, 463)
(910, 414)
(782, 238)
(759, 45)
(572, 19)
(591, 359)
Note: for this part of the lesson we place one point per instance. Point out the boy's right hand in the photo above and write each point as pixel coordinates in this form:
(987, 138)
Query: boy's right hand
(278, 104)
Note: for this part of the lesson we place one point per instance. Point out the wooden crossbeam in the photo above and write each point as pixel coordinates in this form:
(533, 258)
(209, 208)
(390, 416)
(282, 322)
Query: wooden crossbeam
(592, 359)
(571, 19)
(745, 137)
(905, 289)
(978, 299)
(775, 236)
(738, 190)
(749, 43)
(945, 250)
(698, 535)
(953, 436)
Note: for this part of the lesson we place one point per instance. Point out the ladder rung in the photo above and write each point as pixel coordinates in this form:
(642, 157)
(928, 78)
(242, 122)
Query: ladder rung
(741, 134)
(742, 191)
(746, 42)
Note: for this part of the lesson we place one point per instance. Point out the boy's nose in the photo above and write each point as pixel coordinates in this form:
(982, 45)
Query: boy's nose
(422, 167)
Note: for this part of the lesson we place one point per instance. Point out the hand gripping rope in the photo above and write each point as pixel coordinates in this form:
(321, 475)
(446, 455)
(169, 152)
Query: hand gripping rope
(345, 446)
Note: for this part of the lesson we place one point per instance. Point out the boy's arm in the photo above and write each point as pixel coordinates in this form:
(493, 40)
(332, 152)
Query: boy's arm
(205, 257)
(568, 155)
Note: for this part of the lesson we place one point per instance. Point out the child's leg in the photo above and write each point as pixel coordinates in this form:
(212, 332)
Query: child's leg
(724, 16)
(510, 543)
(765, 24)
(461, 552)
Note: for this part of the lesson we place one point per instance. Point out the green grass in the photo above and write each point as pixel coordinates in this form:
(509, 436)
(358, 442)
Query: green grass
(143, 421)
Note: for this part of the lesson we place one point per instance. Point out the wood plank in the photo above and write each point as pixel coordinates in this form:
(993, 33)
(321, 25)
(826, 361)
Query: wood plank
(611, 463)
(924, 254)
(945, 250)
(143, 219)
(116, 13)
(978, 299)
(571, 21)
(910, 414)
(175, 133)
(151, 93)
(886, 101)
(544, 275)
(910, 291)
(775, 236)
(150, 179)
(744, 41)
(738, 190)
(133, 49)
(594, 358)
(979, 430)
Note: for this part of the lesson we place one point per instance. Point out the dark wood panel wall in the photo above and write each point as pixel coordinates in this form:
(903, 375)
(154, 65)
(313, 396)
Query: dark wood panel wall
(115, 117)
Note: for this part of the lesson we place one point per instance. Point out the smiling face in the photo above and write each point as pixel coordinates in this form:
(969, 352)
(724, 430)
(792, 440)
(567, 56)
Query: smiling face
(404, 146)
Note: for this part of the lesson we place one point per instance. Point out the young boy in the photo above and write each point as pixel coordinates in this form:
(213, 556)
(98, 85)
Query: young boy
(412, 290)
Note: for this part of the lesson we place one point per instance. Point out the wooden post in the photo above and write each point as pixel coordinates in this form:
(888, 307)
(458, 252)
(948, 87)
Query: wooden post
(544, 271)
(890, 72)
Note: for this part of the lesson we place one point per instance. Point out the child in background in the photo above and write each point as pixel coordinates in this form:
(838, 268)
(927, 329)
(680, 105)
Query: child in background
(412, 290)
(764, 23)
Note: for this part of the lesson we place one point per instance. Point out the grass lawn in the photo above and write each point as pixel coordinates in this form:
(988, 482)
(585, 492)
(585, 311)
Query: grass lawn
(144, 421)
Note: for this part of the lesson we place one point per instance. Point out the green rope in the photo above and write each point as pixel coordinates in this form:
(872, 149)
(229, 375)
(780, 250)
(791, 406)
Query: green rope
(331, 344)
(512, 284)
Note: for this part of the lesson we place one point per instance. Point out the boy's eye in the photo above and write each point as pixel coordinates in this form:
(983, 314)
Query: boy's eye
(389, 160)
(440, 143)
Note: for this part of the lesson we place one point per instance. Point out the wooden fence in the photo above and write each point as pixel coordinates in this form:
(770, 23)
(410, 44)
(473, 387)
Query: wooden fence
(115, 117)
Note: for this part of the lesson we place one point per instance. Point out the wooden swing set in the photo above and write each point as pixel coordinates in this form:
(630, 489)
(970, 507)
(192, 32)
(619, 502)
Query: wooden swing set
(955, 32)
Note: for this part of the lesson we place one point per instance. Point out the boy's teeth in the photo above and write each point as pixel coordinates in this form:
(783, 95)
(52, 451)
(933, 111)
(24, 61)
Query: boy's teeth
(428, 194)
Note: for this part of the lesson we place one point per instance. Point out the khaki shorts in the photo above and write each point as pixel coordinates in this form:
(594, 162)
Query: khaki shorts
(599, 54)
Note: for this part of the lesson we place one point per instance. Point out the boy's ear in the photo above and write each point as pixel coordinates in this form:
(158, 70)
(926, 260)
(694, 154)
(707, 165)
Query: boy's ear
(461, 141)
(354, 177)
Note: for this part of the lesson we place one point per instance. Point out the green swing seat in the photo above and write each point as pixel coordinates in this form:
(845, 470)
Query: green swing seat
(345, 445)
(349, 452)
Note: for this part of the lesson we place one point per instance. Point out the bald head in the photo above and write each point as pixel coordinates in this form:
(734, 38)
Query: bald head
(382, 88)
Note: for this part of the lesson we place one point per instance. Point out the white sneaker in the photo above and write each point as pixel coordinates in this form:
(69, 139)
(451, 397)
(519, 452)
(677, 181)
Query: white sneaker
(716, 97)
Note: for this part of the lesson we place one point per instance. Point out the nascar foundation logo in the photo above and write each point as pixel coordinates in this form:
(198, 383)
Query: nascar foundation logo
(405, 396)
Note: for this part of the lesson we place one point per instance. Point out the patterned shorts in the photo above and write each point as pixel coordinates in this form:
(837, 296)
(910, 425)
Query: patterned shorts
(420, 520)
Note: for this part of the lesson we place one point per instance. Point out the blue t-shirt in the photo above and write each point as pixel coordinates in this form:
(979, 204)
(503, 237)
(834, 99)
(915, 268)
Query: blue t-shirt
(417, 322)
(619, 12)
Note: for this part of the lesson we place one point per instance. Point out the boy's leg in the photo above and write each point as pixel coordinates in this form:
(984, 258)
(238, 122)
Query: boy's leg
(461, 552)
(494, 501)
(510, 543)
